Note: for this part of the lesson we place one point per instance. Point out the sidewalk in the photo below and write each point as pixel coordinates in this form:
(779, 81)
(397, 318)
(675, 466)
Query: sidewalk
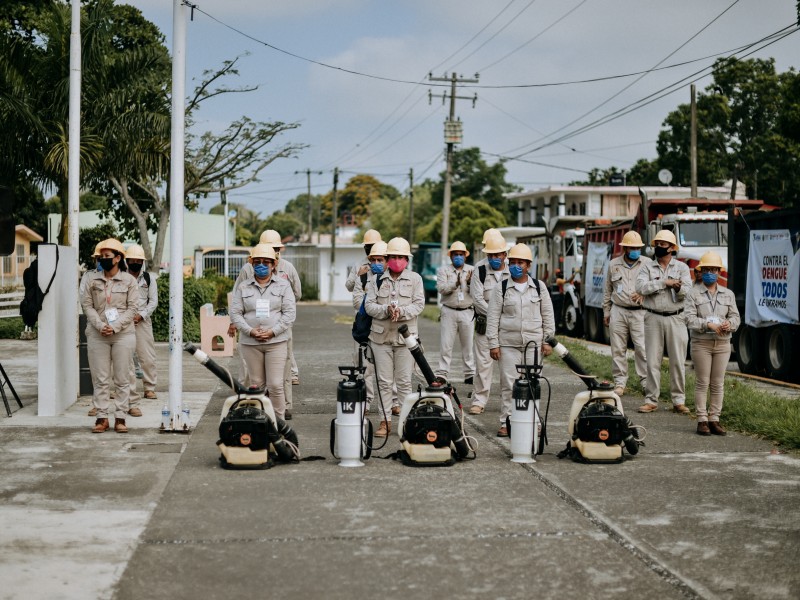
(688, 517)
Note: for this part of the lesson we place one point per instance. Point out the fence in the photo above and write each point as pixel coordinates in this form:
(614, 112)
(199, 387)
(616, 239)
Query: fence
(9, 304)
(305, 258)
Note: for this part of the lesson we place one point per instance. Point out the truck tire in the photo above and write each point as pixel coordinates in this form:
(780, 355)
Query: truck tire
(749, 351)
(573, 320)
(780, 350)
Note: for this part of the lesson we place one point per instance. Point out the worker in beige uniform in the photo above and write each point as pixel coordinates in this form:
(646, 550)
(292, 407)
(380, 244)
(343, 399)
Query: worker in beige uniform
(263, 310)
(519, 320)
(487, 276)
(284, 270)
(143, 326)
(457, 314)
(623, 313)
(370, 237)
(712, 317)
(377, 264)
(399, 299)
(110, 300)
(664, 284)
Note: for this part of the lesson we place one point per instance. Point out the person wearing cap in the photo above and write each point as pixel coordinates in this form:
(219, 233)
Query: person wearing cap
(399, 299)
(664, 284)
(110, 300)
(452, 283)
(90, 269)
(263, 310)
(622, 311)
(285, 270)
(489, 274)
(519, 320)
(370, 237)
(377, 269)
(712, 317)
(143, 326)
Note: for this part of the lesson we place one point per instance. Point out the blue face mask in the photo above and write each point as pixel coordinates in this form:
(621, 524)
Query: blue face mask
(99, 266)
(262, 271)
(376, 268)
(634, 254)
(496, 263)
(458, 261)
(516, 271)
(709, 278)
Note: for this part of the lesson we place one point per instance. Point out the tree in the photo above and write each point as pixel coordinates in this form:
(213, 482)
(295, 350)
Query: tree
(474, 178)
(89, 237)
(285, 224)
(390, 217)
(468, 220)
(356, 198)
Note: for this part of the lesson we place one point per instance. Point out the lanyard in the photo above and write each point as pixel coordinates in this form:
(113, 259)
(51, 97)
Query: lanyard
(107, 292)
(713, 301)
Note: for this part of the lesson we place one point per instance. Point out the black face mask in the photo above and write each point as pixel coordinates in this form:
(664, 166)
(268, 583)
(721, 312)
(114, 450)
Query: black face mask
(134, 267)
(661, 252)
(107, 263)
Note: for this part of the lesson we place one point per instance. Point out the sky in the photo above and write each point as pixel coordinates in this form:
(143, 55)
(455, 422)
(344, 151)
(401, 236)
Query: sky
(354, 74)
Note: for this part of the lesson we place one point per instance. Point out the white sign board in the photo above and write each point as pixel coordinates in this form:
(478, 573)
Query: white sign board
(598, 256)
(773, 279)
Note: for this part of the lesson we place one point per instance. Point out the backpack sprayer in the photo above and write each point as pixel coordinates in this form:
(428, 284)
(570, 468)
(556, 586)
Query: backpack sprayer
(597, 425)
(250, 435)
(430, 434)
(351, 432)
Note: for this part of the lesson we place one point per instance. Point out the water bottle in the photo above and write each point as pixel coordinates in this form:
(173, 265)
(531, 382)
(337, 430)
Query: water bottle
(185, 421)
(165, 417)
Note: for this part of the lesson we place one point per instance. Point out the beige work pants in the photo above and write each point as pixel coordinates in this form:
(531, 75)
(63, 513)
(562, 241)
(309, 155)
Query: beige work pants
(287, 373)
(265, 365)
(110, 359)
(623, 324)
(393, 364)
(710, 358)
(456, 323)
(484, 368)
(146, 351)
(509, 359)
(670, 332)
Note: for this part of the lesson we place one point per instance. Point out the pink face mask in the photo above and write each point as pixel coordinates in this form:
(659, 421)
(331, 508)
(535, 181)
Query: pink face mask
(397, 265)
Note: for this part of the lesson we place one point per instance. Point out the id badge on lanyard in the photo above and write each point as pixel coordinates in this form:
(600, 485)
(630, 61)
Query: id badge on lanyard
(262, 308)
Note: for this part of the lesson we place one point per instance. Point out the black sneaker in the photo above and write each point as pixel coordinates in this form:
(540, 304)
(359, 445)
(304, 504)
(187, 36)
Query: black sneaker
(287, 415)
(468, 381)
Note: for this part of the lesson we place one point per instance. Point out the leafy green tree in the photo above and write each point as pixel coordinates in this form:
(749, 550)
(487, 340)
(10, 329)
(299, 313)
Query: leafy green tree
(474, 178)
(356, 198)
(298, 207)
(283, 223)
(89, 237)
(390, 217)
(468, 220)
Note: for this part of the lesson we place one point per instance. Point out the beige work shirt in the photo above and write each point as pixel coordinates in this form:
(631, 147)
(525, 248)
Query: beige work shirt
(621, 282)
(520, 317)
(270, 306)
(102, 294)
(450, 281)
(702, 308)
(407, 290)
(651, 283)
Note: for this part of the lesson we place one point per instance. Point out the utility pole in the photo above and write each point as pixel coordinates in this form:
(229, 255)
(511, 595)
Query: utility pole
(224, 197)
(335, 217)
(411, 206)
(693, 142)
(452, 136)
(310, 204)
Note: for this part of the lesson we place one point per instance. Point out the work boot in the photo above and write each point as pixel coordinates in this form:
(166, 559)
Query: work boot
(384, 430)
(92, 412)
(100, 425)
(702, 428)
(648, 407)
(135, 412)
(119, 426)
(395, 410)
(150, 395)
(287, 415)
(502, 432)
(295, 380)
(476, 409)
(716, 428)
(681, 409)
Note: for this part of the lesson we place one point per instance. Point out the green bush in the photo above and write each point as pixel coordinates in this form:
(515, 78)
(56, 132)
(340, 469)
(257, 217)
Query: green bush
(310, 290)
(10, 328)
(196, 293)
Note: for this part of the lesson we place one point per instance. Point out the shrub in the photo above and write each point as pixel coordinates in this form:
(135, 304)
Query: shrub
(196, 293)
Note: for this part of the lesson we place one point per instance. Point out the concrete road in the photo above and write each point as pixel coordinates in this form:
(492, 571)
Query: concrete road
(152, 515)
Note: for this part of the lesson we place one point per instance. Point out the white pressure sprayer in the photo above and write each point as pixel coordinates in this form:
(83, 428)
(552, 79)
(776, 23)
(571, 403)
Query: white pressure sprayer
(351, 433)
(524, 422)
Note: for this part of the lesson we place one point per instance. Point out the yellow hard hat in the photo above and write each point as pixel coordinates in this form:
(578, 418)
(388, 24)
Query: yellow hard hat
(135, 251)
(632, 239)
(710, 259)
(271, 237)
(488, 234)
(111, 244)
(398, 246)
(97, 250)
(378, 249)
(371, 236)
(665, 235)
(495, 244)
(262, 251)
(521, 251)
(458, 247)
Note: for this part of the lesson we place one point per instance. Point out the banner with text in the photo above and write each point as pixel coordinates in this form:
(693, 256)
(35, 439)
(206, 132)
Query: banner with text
(598, 256)
(773, 279)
